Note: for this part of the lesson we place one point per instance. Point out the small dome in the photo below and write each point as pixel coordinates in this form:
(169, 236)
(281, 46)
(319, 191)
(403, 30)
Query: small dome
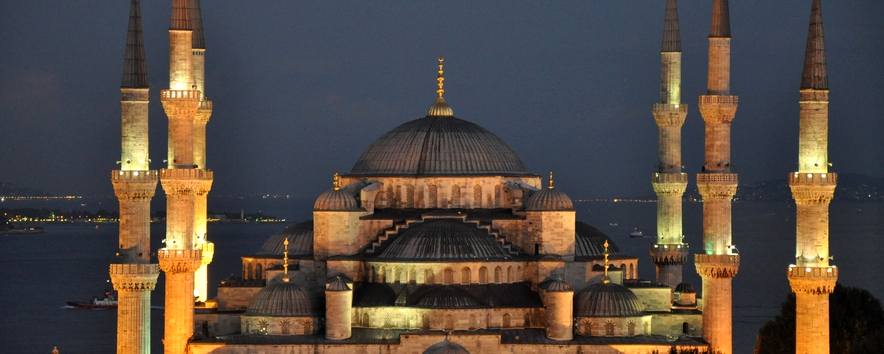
(685, 288)
(444, 239)
(549, 199)
(337, 283)
(446, 347)
(447, 297)
(556, 284)
(300, 237)
(607, 300)
(336, 200)
(280, 299)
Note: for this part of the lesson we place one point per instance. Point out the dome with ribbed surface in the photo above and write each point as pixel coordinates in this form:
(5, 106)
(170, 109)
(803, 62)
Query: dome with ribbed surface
(556, 284)
(300, 237)
(607, 300)
(337, 283)
(443, 239)
(280, 299)
(439, 146)
(336, 200)
(549, 199)
(685, 288)
(446, 347)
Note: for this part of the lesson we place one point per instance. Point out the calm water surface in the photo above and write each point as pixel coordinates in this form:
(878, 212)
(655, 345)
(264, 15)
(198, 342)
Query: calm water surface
(41, 272)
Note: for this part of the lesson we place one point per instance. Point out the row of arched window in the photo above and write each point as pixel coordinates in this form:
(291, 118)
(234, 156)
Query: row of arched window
(432, 196)
(448, 322)
(449, 275)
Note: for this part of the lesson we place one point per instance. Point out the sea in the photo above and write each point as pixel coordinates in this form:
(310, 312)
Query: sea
(40, 273)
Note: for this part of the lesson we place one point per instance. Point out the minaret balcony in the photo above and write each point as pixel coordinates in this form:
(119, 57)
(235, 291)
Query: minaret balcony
(134, 185)
(717, 265)
(669, 254)
(186, 181)
(813, 179)
(134, 277)
(182, 95)
(670, 115)
(812, 280)
(718, 109)
(179, 260)
(812, 188)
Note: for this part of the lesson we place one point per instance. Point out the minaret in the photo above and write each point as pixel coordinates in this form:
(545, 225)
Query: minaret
(183, 183)
(132, 274)
(203, 113)
(719, 262)
(812, 278)
(669, 181)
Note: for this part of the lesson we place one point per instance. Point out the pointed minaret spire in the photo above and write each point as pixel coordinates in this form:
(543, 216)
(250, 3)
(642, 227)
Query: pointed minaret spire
(721, 19)
(196, 18)
(181, 16)
(671, 33)
(814, 75)
(134, 65)
(440, 107)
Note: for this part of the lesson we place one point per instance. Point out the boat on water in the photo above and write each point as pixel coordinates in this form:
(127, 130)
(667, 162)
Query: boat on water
(26, 230)
(108, 301)
(637, 233)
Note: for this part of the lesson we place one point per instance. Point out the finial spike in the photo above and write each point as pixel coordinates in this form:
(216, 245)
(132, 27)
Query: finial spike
(440, 108)
(285, 261)
(552, 181)
(336, 182)
(606, 280)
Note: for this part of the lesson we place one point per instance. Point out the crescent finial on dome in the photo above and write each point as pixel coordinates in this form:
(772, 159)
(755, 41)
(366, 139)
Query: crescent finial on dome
(440, 107)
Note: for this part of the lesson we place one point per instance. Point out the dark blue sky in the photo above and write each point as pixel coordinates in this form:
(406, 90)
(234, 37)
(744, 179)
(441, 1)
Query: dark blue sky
(302, 87)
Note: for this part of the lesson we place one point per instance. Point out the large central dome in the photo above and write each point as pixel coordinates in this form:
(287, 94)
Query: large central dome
(439, 146)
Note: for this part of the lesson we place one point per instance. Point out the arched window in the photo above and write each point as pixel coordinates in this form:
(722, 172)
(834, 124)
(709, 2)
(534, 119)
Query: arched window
(483, 275)
(397, 277)
(477, 196)
(250, 270)
(259, 271)
(449, 276)
(498, 202)
(685, 328)
(630, 327)
(587, 328)
(455, 196)
(409, 196)
(284, 326)
(609, 329)
(382, 276)
(449, 322)
(419, 197)
(509, 274)
(433, 201)
(428, 276)
(412, 275)
(365, 320)
(465, 275)
(425, 320)
(507, 321)
(632, 271)
(398, 200)
(472, 321)
(498, 275)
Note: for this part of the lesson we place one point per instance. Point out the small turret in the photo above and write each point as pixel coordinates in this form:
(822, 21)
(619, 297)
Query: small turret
(553, 211)
(336, 215)
(558, 298)
(338, 305)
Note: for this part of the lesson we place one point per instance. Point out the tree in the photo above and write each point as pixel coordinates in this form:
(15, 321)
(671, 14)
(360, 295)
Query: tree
(856, 325)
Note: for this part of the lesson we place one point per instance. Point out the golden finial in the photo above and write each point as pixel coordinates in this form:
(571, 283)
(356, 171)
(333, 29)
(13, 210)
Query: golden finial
(552, 181)
(336, 182)
(606, 280)
(440, 80)
(285, 260)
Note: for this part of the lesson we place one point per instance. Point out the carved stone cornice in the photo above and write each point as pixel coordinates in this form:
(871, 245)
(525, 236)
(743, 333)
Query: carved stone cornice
(134, 277)
(179, 261)
(812, 280)
(717, 265)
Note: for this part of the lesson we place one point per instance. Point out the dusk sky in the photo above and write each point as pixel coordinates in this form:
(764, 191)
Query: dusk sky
(302, 87)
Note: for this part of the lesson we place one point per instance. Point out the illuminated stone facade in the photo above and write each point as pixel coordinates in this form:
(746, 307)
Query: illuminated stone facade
(812, 277)
(717, 184)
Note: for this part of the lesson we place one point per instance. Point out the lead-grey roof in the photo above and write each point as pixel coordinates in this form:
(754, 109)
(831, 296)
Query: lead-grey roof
(607, 300)
(180, 19)
(514, 295)
(441, 240)
(446, 347)
(280, 299)
(300, 237)
(439, 146)
(336, 200)
(671, 33)
(196, 16)
(134, 63)
(549, 199)
(590, 242)
(721, 19)
(814, 75)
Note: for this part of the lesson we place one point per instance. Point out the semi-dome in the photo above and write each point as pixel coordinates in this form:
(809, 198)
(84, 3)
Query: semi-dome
(685, 288)
(446, 347)
(607, 300)
(556, 284)
(443, 239)
(446, 297)
(336, 200)
(300, 238)
(439, 146)
(283, 299)
(337, 283)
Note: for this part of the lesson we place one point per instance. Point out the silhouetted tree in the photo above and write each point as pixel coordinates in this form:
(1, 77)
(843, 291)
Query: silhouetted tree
(856, 322)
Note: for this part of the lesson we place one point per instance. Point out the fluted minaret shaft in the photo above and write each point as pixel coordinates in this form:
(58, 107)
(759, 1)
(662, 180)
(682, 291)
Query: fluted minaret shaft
(719, 263)
(669, 181)
(813, 186)
(203, 114)
(183, 181)
(134, 185)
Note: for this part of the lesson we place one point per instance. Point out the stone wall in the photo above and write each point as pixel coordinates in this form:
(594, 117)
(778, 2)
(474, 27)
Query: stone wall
(231, 298)
(614, 326)
(673, 323)
(278, 325)
(447, 319)
(446, 192)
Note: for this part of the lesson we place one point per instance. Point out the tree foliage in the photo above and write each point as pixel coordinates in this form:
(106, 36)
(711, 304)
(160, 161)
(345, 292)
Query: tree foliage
(856, 322)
